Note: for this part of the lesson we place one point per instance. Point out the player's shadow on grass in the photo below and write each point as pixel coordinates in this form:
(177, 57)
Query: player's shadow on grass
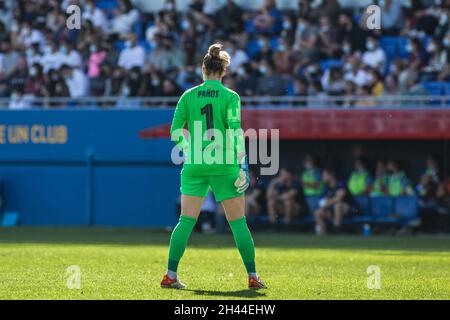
(237, 294)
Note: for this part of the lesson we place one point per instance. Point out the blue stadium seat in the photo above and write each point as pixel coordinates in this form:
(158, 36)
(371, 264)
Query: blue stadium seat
(382, 209)
(274, 42)
(10, 219)
(363, 203)
(106, 4)
(406, 208)
(327, 64)
(253, 47)
(436, 88)
(395, 47)
(389, 45)
(250, 26)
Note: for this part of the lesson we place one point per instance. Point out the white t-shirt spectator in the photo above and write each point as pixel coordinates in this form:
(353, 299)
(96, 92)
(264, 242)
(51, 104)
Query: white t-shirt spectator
(237, 60)
(360, 78)
(132, 57)
(73, 59)
(123, 23)
(53, 60)
(375, 59)
(28, 37)
(97, 17)
(77, 84)
(33, 58)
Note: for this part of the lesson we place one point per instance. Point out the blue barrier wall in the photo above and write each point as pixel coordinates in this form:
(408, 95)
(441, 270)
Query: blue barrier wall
(72, 167)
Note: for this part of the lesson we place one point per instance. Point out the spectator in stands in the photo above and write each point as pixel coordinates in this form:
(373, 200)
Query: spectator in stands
(247, 80)
(35, 84)
(374, 57)
(132, 83)
(19, 75)
(97, 56)
(392, 18)
(351, 34)
(9, 59)
(291, 44)
(53, 58)
(443, 196)
(329, 48)
(33, 54)
(268, 20)
(76, 81)
(311, 177)
(230, 18)
(254, 195)
(306, 41)
(337, 203)
(17, 100)
(70, 55)
(28, 35)
(398, 182)
(95, 15)
(380, 183)
(284, 197)
(333, 82)
(55, 86)
(269, 83)
(133, 55)
(166, 56)
(170, 89)
(356, 73)
(238, 56)
(360, 181)
(427, 189)
(300, 89)
(125, 17)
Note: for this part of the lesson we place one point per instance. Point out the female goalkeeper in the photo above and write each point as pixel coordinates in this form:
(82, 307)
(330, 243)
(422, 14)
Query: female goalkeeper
(215, 158)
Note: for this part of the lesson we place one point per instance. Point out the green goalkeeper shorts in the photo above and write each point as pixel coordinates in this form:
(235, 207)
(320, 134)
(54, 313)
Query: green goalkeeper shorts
(199, 186)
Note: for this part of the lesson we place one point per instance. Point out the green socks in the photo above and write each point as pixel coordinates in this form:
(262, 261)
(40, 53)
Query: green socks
(183, 230)
(179, 241)
(244, 243)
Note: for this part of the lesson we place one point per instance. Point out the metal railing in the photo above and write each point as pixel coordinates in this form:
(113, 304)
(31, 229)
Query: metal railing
(316, 102)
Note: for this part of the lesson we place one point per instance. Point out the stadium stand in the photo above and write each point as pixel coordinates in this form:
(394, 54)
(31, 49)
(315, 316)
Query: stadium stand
(290, 43)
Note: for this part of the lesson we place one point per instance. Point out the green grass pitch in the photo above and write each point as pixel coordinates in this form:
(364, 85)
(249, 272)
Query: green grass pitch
(129, 263)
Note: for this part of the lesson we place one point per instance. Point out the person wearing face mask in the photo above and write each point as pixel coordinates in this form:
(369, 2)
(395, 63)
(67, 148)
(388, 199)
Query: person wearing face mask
(53, 57)
(96, 58)
(311, 177)
(95, 15)
(29, 35)
(238, 56)
(133, 55)
(35, 84)
(55, 86)
(71, 56)
(269, 83)
(125, 18)
(374, 57)
(350, 32)
(75, 80)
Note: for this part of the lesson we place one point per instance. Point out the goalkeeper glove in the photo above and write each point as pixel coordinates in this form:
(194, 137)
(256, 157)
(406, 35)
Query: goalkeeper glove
(243, 181)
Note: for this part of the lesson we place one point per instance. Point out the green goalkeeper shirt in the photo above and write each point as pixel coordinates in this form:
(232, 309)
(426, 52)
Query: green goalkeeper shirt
(214, 138)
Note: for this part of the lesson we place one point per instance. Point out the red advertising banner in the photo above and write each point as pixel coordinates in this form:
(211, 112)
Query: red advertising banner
(332, 124)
